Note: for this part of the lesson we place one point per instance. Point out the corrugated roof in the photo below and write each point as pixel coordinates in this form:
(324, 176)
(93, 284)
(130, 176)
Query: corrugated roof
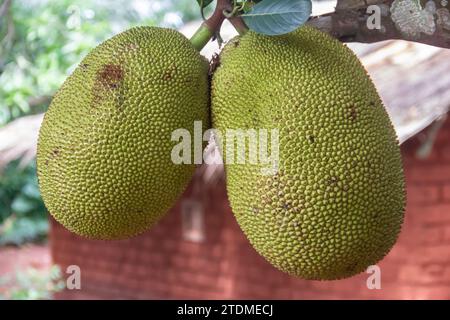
(413, 80)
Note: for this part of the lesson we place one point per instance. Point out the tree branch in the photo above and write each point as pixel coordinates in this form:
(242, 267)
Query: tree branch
(211, 26)
(215, 21)
(400, 19)
(36, 101)
(4, 7)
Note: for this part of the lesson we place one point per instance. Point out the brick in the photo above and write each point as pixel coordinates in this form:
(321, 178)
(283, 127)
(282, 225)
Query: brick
(341, 286)
(157, 259)
(155, 287)
(282, 293)
(205, 280)
(389, 272)
(132, 285)
(142, 271)
(430, 173)
(432, 254)
(422, 193)
(409, 273)
(250, 290)
(183, 292)
(169, 245)
(398, 254)
(439, 213)
(446, 234)
(431, 235)
(99, 277)
(205, 265)
(443, 133)
(196, 280)
(422, 274)
(446, 192)
(445, 151)
(430, 292)
(179, 261)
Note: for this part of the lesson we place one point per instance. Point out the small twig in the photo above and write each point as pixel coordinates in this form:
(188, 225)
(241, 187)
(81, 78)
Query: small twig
(4, 8)
(239, 24)
(210, 27)
(215, 21)
(9, 37)
(36, 101)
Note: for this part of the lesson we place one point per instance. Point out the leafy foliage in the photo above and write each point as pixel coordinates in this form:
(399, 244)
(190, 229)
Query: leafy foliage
(31, 284)
(23, 215)
(204, 3)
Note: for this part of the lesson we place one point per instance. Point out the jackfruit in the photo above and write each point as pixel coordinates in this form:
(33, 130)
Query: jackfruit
(104, 150)
(334, 203)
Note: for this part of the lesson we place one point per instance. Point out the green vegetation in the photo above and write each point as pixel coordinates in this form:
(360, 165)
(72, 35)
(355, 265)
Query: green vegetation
(22, 213)
(31, 284)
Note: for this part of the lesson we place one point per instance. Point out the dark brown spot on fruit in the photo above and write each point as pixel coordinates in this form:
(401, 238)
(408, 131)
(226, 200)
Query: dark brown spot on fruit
(353, 113)
(111, 76)
(333, 180)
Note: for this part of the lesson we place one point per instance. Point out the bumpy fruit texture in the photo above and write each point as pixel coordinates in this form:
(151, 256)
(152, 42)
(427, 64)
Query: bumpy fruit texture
(336, 204)
(104, 152)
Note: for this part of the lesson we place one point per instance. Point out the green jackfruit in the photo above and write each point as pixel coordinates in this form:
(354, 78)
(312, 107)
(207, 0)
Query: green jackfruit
(335, 205)
(104, 151)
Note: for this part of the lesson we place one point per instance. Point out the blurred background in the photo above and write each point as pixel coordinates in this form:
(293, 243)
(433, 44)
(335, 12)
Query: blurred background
(198, 251)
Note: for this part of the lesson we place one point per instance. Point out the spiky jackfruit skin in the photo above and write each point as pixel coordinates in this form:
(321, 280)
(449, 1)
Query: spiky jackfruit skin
(104, 151)
(335, 205)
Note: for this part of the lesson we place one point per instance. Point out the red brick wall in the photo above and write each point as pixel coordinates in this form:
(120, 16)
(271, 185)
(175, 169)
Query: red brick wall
(160, 264)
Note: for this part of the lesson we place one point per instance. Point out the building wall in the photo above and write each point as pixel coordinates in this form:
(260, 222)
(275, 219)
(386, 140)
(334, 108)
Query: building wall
(162, 264)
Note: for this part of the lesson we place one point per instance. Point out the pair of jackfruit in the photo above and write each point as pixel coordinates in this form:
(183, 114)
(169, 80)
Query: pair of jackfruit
(335, 203)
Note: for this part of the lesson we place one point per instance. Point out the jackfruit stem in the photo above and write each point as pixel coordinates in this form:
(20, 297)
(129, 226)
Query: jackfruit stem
(239, 25)
(211, 26)
(201, 37)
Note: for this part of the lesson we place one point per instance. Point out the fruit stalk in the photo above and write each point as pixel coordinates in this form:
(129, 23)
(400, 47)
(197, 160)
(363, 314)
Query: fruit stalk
(211, 25)
(239, 25)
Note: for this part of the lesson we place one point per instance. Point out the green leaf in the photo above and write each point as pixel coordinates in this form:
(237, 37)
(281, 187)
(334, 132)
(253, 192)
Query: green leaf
(21, 230)
(275, 17)
(204, 3)
(22, 205)
(31, 190)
